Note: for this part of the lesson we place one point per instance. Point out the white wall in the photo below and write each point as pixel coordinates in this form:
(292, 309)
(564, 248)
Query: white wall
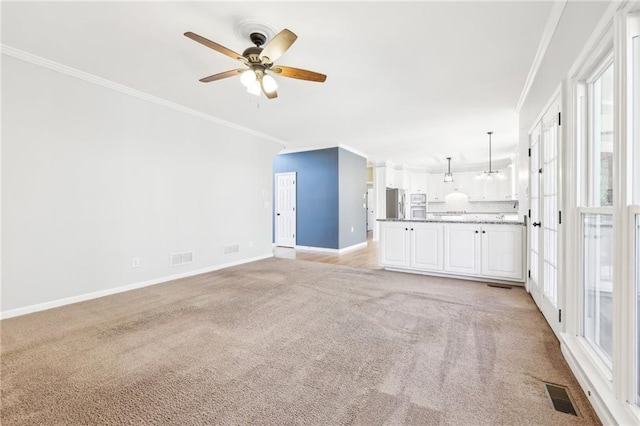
(576, 24)
(92, 177)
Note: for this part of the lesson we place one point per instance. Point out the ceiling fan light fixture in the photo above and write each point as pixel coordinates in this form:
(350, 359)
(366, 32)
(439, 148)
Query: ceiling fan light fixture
(269, 84)
(248, 78)
(254, 88)
(448, 177)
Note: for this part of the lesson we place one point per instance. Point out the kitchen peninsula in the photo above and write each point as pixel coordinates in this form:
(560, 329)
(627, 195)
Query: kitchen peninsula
(475, 247)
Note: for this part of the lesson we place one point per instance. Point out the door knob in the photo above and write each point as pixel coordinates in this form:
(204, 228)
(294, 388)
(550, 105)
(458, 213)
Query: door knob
(536, 224)
(278, 214)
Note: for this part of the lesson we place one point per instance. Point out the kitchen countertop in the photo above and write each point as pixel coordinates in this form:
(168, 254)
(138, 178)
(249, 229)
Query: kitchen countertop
(485, 221)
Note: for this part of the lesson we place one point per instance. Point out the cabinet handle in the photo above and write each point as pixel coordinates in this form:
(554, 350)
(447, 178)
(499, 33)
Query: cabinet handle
(476, 232)
(536, 224)
(406, 229)
(484, 232)
(412, 229)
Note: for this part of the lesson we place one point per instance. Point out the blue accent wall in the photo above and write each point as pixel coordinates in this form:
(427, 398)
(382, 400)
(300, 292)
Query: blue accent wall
(316, 195)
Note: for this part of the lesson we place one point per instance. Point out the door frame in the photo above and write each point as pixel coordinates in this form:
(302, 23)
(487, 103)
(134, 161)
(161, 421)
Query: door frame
(550, 113)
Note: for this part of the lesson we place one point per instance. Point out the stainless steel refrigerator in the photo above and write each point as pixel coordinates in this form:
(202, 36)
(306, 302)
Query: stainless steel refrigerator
(395, 203)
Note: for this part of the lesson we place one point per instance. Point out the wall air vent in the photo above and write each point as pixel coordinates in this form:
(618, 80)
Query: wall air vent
(230, 249)
(178, 259)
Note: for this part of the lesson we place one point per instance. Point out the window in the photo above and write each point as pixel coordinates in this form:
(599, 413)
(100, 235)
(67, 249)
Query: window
(601, 152)
(598, 283)
(597, 213)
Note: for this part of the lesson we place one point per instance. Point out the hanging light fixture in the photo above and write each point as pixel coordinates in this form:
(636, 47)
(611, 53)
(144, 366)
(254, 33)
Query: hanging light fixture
(490, 174)
(448, 177)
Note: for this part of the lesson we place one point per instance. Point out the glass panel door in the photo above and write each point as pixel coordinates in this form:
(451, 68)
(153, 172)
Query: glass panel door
(534, 229)
(543, 230)
(550, 217)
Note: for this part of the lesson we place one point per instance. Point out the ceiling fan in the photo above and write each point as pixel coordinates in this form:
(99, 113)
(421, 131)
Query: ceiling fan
(260, 62)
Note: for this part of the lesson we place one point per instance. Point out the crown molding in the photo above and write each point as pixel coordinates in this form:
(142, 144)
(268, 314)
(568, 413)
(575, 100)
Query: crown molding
(91, 78)
(547, 34)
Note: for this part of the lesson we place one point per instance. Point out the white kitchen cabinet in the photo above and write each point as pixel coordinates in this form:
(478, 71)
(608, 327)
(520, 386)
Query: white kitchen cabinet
(394, 244)
(390, 177)
(476, 187)
(505, 186)
(419, 182)
(436, 188)
(462, 248)
(502, 251)
(461, 182)
(493, 189)
(412, 244)
(474, 250)
(426, 246)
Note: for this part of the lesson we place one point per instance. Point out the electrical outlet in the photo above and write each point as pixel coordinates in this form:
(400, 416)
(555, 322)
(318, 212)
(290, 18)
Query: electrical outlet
(135, 262)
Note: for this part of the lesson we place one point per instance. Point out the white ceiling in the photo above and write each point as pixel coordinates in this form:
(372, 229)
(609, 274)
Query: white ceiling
(410, 83)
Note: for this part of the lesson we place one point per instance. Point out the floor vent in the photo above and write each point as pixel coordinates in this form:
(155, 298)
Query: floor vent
(508, 287)
(560, 398)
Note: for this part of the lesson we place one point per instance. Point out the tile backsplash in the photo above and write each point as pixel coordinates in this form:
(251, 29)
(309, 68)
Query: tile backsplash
(463, 205)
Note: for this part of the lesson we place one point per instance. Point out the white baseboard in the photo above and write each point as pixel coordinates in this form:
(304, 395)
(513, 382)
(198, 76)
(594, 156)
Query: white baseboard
(513, 283)
(330, 250)
(599, 392)
(101, 293)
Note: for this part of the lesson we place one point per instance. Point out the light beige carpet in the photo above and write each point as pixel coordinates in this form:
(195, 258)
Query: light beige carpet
(288, 342)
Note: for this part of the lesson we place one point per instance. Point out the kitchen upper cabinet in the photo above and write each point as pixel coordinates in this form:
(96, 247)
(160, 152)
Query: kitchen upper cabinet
(406, 179)
(493, 189)
(394, 244)
(419, 182)
(461, 182)
(437, 190)
(505, 186)
(462, 249)
(427, 243)
(391, 177)
(502, 251)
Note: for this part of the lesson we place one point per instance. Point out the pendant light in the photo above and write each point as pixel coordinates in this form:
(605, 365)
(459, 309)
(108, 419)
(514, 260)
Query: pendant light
(448, 177)
(490, 174)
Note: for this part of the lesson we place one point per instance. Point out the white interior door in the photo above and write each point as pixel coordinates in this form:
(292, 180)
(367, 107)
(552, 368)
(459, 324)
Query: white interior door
(545, 187)
(285, 210)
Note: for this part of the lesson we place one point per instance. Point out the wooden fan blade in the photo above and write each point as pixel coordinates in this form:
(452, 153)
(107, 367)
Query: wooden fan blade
(299, 73)
(215, 46)
(269, 95)
(221, 75)
(277, 46)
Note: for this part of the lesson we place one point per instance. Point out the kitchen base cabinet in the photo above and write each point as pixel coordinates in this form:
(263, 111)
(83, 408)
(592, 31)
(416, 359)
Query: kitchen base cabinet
(412, 245)
(462, 249)
(394, 244)
(488, 252)
(426, 241)
(502, 251)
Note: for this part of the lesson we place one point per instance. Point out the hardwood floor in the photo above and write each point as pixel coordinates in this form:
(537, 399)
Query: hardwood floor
(362, 258)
